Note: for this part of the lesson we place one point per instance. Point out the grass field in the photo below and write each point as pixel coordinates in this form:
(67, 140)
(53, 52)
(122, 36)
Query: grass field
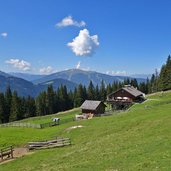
(67, 115)
(139, 139)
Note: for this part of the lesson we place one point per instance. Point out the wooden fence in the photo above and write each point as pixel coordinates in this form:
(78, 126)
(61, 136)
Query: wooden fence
(62, 121)
(6, 153)
(31, 125)
(49, 124)
(21, 124)
(59, 142)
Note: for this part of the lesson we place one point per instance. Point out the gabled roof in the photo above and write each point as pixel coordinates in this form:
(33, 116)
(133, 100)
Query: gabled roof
(130, 89)
(91, 104)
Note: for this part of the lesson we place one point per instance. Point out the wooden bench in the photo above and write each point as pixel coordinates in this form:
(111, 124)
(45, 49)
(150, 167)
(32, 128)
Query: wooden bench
(6, 152)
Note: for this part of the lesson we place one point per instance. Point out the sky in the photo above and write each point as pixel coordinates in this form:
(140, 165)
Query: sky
(118, 37)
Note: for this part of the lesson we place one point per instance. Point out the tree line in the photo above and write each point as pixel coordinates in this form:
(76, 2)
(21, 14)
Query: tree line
(161, 81)
(13, 107)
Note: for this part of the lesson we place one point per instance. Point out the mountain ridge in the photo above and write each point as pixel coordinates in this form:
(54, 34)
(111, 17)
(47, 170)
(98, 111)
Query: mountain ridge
(26, 76)
(81, 76)
(27, 88)
(71, 78)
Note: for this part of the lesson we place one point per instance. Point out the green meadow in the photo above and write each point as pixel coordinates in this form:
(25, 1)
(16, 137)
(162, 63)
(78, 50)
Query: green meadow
(138, 139)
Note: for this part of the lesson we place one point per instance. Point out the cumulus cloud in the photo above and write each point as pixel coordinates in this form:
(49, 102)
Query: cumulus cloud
(46, 70)
(4, 34)
(19, 64)
(121, 73)
(69, 21)
(78, 65)
(84, 44)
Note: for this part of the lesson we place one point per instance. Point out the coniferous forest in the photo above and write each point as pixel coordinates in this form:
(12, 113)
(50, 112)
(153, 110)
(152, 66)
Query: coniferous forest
(13, 107)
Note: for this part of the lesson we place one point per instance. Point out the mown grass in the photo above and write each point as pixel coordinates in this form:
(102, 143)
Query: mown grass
(48, 118)
(139, 139)
(19, 136)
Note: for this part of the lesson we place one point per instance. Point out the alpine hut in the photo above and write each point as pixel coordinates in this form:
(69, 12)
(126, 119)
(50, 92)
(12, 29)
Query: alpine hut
(93, 107)
(124, 97)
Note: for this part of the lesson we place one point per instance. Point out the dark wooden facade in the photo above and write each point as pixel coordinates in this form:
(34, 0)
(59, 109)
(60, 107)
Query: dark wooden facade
(124, 97)
(99, 110)
(122, 93)
(92, 107)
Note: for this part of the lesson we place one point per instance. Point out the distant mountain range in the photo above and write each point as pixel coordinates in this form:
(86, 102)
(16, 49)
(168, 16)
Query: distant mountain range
(28, 77)
(28, 84)
(25, 88)
(80, 76)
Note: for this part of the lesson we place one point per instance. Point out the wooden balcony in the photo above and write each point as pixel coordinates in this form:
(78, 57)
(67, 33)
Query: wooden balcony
(119, 100)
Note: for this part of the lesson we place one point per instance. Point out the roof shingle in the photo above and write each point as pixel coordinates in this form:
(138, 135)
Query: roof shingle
(90, 104)
(133, 91)
(129, 89)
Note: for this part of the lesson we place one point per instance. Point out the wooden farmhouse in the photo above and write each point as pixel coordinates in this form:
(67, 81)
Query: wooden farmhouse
(125, 97)
(93, 107)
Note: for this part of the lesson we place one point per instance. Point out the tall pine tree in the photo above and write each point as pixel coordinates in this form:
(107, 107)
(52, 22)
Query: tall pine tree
(15, 107)
(8, 100)
(90, 91)
(2, 108)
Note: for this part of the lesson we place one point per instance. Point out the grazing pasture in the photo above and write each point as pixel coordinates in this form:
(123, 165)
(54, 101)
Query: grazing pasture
(138, 139)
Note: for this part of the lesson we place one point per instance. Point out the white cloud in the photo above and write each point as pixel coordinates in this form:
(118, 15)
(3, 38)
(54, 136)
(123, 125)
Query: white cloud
(46, 70)
(78, 65)
(69, 21)
(84, 44)
(19, 64)
(121, 73)
(4, 34)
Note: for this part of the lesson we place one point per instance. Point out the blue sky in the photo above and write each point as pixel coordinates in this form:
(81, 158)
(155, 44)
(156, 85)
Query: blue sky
(115, 36)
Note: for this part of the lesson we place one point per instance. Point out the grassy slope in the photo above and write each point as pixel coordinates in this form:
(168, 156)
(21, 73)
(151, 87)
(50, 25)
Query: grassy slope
(136, 140)
(20, 136)
(67, 115)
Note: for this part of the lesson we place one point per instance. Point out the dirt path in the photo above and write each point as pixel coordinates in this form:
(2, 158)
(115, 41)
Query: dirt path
(18, 152)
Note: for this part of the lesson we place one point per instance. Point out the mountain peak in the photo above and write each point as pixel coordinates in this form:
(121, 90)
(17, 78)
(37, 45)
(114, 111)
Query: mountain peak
(82, 76)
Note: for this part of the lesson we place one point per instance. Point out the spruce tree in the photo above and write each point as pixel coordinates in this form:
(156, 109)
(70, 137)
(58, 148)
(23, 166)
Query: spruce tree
(134, 83)
(90, 91)
(30, 107)
(79, 99)
(162, 79)
(97, 93)
(66, 98)
(8, 100)
(168, 73)
(109, 89)
(115, 86)
(50, 100)
(15, 108)
(71, 101)
(2, 108)
(41, 108)
(102, 91)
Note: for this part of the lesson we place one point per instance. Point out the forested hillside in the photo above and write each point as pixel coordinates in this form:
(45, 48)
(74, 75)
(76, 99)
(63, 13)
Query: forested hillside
(14, 107)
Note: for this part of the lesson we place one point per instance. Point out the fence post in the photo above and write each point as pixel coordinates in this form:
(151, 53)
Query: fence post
(12, 152)
(1, 155)
(63, 142)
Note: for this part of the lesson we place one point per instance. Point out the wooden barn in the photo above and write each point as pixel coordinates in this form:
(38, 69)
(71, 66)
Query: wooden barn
(93, 107)
(124, 97)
